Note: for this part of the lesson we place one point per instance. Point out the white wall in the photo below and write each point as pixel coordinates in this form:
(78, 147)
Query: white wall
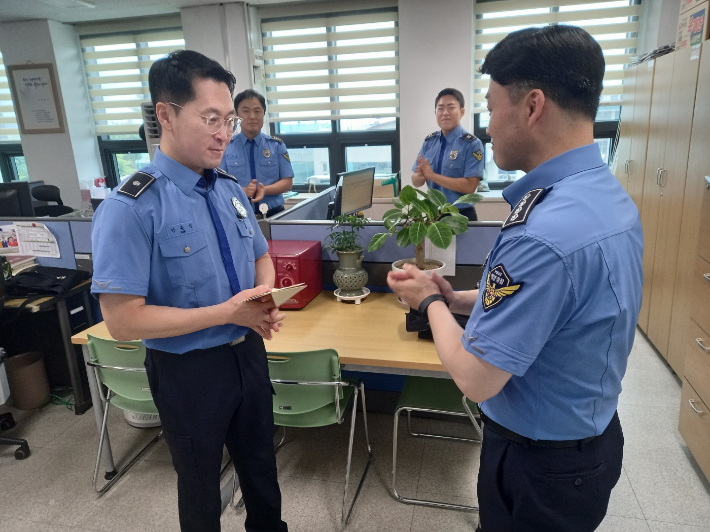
(659, 24)
(435, 52)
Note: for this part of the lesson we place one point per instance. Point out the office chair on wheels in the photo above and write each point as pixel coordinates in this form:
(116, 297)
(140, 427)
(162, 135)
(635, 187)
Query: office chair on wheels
(7, 422)
(50, 193)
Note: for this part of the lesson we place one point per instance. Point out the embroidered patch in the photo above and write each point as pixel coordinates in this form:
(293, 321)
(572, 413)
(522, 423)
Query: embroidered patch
(136, 184)
(499, 286)
(478, 154)
(521, 211)
(453, 154)
(287, 157)
(182, 228)
(468, 137)
(430, 135)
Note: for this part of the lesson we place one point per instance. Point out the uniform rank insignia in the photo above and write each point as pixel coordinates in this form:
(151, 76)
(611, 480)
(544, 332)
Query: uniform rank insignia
(287, 157)
(136, 184)
(499, 286)
(453, 154)
(241, 211)
(276, 139)
(468, 137)
(478, 154)
(521, 211)
(267, 152)
(430, 135)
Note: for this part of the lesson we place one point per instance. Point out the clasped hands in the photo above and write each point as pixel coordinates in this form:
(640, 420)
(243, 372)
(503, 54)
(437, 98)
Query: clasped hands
(254, 191)
(424, 168)
(413, 286)
(260, 315)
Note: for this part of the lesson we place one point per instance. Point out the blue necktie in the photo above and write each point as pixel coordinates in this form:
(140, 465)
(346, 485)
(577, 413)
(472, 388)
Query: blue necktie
(441, 155)
(252, 164)
(222, 237)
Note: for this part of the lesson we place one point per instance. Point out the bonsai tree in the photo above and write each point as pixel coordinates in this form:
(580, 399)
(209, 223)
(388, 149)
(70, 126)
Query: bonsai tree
(345, 239)
(418, 214)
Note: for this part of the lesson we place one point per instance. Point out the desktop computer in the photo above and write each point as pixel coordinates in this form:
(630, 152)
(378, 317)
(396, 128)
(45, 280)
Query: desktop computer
(297, 261)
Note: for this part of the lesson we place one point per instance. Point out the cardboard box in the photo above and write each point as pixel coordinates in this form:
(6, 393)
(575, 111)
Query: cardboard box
(685, 5)
(692, 27)
(382, 190)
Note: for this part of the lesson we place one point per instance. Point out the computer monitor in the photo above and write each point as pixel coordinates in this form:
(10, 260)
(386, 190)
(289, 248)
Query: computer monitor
(354, 191)
(24, 198)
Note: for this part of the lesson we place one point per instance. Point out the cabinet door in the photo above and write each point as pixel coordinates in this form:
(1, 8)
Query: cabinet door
(695, 228)
(626, 127)
(658, 121)
(639, 140)
(672, 180)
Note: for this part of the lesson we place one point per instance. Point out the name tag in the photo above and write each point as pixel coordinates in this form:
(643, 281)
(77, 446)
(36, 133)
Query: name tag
(182, 228)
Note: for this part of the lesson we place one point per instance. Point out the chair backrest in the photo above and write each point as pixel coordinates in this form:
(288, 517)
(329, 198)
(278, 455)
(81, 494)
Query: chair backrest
(52, 210)
(47, 193)
(304, 366)
(129, 384)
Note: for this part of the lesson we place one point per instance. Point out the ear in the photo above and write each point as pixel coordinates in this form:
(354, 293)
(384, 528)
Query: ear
(463, 112)
(534, 105)
(164, 113)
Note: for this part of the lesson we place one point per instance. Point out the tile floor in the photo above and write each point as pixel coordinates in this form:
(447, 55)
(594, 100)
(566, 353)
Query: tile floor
(661, 488)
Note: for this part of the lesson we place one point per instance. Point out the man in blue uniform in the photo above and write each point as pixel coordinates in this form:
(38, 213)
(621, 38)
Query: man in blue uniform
(451, 160)
(260, 162)
(176, 258)
(550, 331)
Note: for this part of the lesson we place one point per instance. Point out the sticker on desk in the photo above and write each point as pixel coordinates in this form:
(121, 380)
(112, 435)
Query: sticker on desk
(280, 295)
(34, 238)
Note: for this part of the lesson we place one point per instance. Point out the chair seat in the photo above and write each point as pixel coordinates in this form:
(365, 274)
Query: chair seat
(433, 394)
(139, 407)
(320, 417)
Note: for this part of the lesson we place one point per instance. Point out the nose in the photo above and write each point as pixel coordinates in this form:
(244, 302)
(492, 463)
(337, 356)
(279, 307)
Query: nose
(488, 132)
(222, 133)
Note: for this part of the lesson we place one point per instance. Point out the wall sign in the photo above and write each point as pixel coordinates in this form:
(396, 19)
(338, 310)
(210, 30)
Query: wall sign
(34, 93)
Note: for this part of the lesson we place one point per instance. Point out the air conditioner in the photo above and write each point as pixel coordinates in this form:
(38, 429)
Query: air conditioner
(151, 127)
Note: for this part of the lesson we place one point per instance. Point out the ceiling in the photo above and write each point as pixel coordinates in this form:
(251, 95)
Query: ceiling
(70, 11)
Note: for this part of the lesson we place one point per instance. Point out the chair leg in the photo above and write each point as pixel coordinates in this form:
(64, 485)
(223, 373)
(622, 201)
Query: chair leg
(346, 517)
(442, 436)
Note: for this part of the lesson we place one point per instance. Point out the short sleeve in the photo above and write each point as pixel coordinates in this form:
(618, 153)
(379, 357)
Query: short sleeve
(421, 152)
(285, 168)
(474, 160)
(526, 296)
(121, 250)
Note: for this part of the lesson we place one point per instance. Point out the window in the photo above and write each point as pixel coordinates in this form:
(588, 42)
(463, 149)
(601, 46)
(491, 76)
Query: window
(8, 121)
(311, 166)
(380, 157)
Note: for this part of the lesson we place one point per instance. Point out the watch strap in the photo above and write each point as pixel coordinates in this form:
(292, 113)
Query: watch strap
(424, 305)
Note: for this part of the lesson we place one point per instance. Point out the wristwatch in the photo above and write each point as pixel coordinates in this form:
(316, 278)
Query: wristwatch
(424, 305)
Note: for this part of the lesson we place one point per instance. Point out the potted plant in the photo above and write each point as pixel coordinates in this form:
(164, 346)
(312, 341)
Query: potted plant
(350, 277)
(418, 214)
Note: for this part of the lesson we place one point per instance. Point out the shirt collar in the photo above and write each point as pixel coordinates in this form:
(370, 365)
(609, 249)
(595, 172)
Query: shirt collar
(553, 170)
(243, 138)
(178, 173)
(454, 133)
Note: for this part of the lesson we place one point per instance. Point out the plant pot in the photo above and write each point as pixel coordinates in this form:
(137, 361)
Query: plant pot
(350, 276)
(397, 265)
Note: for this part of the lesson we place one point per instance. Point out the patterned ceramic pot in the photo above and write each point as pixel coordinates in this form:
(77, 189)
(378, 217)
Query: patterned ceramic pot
(350, 276)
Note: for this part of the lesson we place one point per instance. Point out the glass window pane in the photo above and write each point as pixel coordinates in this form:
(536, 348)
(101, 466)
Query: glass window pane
(607, 113)
(128, 163)
(311, 166)
(362, 124)
(20, 168)
(380, 157)
(604, 147)
(303, 126)
(491, 171)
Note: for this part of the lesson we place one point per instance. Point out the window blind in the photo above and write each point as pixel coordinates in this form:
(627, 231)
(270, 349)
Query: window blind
(8, 121)
(614, 24)
(332, 67)
(116, 66)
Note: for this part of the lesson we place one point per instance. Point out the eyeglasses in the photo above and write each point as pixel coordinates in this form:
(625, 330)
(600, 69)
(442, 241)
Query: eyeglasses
(216, 123)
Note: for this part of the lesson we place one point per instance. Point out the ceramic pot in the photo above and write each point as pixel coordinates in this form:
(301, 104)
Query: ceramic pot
(397, 265)
(350, 276)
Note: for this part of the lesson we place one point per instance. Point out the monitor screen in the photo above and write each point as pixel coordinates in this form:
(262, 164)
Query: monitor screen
(23, 199)
(355, 190)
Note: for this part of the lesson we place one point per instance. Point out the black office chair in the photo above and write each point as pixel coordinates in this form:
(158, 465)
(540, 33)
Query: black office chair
(10, 203)
(50, 193)
(7, 422)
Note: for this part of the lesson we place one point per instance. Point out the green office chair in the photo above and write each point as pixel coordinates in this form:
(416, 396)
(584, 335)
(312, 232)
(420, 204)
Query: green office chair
(311, 393)
(435, 396)
(120, 367)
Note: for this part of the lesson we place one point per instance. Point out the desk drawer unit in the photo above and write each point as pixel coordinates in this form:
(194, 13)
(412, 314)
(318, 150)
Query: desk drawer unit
(694, 426)
(700, 311)
(704, 230)
(697, 361)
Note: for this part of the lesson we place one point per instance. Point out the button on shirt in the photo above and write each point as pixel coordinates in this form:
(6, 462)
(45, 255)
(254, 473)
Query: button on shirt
(271, 163)
(460, 158)
(164, 246)
(564, 293)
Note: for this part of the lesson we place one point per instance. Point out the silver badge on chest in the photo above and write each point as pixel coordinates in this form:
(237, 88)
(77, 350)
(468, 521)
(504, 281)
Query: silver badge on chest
(267, 152)
(453, 154)
(241, 211)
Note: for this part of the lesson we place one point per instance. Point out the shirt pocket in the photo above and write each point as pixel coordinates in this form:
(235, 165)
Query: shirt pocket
(186, 258)
(246, 233)
(237, 166)
(268, 169)
(452, 167)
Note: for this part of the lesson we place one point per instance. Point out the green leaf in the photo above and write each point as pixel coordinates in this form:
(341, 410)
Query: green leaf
(377, 241)
(421, 192)
(457, 222)
(391, 222)
(469, 198)
(403, 237)
(440, 234)
(417, 232)
(391, 212)
(427, 208)
(436, 197)
(398, 204)
(408, 194)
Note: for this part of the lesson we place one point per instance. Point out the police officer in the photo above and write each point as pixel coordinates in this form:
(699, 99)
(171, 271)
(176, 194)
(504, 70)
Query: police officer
(550, 331)
(451, 160)
(260, 162)
(176, 258)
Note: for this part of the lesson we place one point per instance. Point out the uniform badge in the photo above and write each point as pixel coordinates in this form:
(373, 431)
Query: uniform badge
(287, 157)
(267, 152)
(499, 286)
(519, 214)
(478, 154)
(453, 154)
(241, 211)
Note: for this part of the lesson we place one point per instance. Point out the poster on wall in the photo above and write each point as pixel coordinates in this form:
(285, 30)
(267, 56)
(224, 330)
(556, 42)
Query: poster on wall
(34, 93)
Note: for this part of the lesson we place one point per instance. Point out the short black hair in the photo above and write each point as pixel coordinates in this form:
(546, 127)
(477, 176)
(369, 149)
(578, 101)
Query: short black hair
(170, 78)
(248, 95)
(450, 92)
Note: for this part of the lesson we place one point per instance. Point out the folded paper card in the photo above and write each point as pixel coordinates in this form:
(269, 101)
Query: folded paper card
(280, 295)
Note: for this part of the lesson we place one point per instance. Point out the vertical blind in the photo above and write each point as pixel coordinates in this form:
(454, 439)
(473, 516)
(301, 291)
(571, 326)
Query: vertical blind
(8, 121)
(332, 67)
(614, 24)
(116, 66)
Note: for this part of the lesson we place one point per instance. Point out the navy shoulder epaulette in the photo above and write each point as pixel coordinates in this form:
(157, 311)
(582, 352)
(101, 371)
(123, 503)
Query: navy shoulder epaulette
(430, 135)
(134, 185)
(468, 137)
(276, 139)
(222, 173)
(520, 213)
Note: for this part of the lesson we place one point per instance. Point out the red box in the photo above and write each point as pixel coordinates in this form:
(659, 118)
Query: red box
(297, 261)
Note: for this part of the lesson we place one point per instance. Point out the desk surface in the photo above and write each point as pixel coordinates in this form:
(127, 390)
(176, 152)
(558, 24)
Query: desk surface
(369, 334)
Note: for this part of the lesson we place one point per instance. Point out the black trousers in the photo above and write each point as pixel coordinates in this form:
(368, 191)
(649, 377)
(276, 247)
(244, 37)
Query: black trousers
(208, 399)
(522, 488)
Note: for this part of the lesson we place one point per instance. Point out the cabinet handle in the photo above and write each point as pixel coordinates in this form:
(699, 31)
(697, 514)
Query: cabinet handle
(658, 176)
(626, 166)
(692, 405)
(662, 183)
(699, 341)
(706, 276)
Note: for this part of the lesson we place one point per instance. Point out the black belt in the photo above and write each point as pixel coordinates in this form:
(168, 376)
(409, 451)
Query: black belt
(517, 438)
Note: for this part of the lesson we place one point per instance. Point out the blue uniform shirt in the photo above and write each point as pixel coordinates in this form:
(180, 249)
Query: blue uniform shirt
(559, 300)
(271, 158)
(163, 245)
(462, 156)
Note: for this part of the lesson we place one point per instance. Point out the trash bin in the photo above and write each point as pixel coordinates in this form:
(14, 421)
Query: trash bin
(27, 377)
